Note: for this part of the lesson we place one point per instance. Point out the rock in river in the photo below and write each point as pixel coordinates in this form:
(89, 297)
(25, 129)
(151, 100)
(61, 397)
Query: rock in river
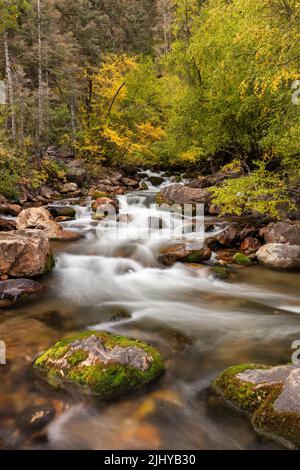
(101, 364)
(13, 290)
(25, 253)
(279, 256)
(179, 194)
(183, 252)
(270, 396)
(281, 232)
(31, 218)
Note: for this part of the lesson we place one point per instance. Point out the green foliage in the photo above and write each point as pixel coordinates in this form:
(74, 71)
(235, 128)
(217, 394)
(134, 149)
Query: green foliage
(262, 191)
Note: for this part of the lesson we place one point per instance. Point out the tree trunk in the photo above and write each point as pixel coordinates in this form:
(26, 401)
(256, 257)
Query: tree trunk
(40, 74)
(10, 87)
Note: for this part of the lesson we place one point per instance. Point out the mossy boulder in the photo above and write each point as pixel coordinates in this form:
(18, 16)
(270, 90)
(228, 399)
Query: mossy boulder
(242, 259)
(270, 396)
(100, 364)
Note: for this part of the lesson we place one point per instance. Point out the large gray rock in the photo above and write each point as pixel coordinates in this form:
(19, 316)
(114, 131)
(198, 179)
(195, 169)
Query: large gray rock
(270, 396)
(279, 256)
(179, 194)
(281, 232)
(25, 253)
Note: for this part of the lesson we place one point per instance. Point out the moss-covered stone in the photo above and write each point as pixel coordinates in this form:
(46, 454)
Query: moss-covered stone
(220, 272)
(241, 394)
(268, 395)
(242, 259)
(99, 194)
(101, 364)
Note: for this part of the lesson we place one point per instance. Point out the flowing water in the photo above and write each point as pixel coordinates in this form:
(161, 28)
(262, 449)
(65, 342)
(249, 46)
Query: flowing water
(202, 325)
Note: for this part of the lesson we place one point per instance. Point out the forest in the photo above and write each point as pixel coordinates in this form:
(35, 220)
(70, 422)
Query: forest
(149, 227)
(182, 83)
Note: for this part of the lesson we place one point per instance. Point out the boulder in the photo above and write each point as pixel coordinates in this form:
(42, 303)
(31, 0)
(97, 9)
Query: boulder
(68, 188)
(76, 174)
(179, 194)
(100, 364)
(31, 218)
(183, 252)
(10, 209)
(281, 232)
(279, 256)
(13, 290)
(130, 183)
(156, 180)
(270, 396)
(62, 211)
(104, 202)
(6, 225)
(25, 253)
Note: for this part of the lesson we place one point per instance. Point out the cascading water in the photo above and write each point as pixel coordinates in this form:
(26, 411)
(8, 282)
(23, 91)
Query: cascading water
(202, 325)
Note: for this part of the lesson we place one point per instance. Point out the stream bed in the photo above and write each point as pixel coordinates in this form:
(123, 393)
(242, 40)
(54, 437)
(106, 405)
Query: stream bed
(201, 324)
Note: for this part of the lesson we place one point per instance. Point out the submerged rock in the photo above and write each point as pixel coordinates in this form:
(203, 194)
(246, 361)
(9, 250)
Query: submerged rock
(279, 256)
(13, 290)
(270, 396)
(25, 253)
(101, 364)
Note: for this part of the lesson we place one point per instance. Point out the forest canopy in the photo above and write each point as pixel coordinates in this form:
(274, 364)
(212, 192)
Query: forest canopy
(181, 83)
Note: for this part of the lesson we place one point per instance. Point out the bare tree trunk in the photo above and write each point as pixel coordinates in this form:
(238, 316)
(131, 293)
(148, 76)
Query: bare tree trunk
(40, 74)
(10, 86)
(73, 119)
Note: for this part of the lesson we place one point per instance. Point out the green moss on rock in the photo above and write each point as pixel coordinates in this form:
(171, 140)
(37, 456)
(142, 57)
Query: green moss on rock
(243, 395)
(49, 264)
(101, 364)
(280, 426)
(242, 259)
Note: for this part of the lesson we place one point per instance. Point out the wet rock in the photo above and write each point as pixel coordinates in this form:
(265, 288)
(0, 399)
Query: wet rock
(51, 229)
(179, 194)
(6, 225)
(144, 186)
(13, 290)
(36, 418)
(104, 202)
(183, 252)
(281, 232)
(130, 183)
(279, 256)
(241, 259)
(250, 245)
(220, 272)
(68, 188)
(270, 396)
(31, 218)
(62, 211)
(25, 253)
(156, 180)
(101, 364)
(10, 209)
(226, 256)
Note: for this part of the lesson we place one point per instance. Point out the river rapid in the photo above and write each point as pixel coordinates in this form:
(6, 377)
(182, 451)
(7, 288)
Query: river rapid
(201, 324)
